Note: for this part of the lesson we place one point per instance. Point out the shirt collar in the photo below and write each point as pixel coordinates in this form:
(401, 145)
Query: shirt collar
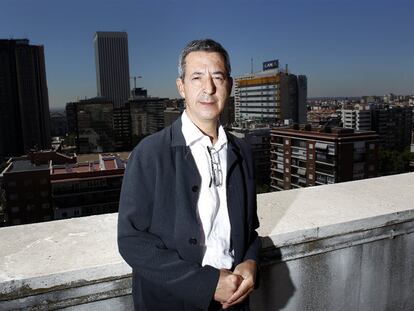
(192, 133)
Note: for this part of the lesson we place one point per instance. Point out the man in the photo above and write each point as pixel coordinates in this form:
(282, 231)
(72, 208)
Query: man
(187, 214)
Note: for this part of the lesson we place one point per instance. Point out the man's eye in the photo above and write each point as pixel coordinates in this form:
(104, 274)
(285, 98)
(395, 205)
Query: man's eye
(196, 78)
(219, 78)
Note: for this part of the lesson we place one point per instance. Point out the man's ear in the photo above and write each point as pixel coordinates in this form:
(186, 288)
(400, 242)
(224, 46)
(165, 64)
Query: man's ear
(180, 87)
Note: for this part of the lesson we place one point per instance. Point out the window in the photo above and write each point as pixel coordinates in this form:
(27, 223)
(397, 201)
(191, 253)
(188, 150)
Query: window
(310, 146)
(46, 218)
(44, 194)
(310, 156)
(13, 196)
(76, 213)
(15, 209)
(45, 205)
(27, 182)
(371, 146)
(11, 183)
(30, 207)
(16, 221)
(43, 181)
(29, 195)
(287, 161)
(64, 215)
(310, 176)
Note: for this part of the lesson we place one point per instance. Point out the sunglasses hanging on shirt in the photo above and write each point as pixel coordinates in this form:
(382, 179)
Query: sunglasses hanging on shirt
(216, 173)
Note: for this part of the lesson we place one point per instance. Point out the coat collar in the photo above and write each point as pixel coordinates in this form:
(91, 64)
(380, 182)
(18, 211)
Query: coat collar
(178, 140)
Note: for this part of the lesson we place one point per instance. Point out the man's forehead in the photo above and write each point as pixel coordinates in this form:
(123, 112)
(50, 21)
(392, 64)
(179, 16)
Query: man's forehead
(202, 57)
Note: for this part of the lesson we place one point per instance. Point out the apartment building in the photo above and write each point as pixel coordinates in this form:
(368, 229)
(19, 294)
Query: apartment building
(302, 157)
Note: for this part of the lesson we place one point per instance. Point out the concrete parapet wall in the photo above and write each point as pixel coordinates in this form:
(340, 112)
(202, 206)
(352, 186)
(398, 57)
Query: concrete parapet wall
(347, 246)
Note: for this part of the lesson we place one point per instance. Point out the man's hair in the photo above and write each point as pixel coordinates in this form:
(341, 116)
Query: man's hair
(203, 45)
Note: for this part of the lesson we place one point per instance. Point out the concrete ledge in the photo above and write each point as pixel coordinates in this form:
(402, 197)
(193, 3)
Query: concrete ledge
(75, 264)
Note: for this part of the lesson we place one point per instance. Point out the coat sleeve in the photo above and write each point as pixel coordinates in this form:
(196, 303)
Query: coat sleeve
(146, 252)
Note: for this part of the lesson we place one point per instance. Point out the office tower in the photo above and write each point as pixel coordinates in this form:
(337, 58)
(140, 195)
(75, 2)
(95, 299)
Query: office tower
(24, 103)
(302, 157)
(112, 66)
(270, 96)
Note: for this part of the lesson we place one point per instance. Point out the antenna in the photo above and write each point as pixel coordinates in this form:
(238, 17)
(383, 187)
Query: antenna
(135, 80)
(251, 66)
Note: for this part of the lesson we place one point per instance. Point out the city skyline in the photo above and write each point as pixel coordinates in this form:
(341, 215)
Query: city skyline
(345, 48)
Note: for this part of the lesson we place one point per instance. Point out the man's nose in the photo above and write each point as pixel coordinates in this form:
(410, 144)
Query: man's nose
(209, 86)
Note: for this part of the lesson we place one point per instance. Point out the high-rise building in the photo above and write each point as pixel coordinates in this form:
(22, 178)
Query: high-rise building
(270, 96)
(24, 102)
(112, 66)
(302, 157)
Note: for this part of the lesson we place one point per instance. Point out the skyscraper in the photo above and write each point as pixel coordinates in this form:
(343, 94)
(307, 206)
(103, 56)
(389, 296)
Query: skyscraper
(24, 102)
(112, 66)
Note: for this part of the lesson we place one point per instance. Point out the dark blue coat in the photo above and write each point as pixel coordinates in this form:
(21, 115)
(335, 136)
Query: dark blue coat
(159, 233)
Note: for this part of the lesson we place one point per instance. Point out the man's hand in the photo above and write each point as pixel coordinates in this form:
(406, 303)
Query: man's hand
(247, 270)
(227, 285)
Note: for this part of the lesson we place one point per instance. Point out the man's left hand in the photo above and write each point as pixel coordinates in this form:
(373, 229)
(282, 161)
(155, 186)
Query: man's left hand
(247, 270)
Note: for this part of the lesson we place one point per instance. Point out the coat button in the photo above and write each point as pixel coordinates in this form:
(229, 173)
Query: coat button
(192, 241)
(194, 189)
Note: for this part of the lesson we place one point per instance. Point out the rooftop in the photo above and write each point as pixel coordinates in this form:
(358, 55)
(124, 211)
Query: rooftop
(25, 166)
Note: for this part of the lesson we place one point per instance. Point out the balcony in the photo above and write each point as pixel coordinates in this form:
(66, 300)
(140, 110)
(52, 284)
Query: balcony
(347, 246)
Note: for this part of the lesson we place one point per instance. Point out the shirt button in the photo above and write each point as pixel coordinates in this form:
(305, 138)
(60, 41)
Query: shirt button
(192, 241)
(194, 189)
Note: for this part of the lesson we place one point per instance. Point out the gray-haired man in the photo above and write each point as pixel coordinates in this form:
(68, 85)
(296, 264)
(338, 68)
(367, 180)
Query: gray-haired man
(187, 215)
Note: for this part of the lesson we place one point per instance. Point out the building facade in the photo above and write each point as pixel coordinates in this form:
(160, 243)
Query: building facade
(24, 102)
(259, 141)
(394, 124)
(302, 157)
(46, 185)
(357, 117)
(85, 189)
(112, 66)
(270, 97)
(91, 122)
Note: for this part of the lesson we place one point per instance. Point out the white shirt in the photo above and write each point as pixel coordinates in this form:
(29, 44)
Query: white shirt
(212, 200)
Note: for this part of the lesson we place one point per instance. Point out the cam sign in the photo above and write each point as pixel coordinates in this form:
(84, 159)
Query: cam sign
(272, 64)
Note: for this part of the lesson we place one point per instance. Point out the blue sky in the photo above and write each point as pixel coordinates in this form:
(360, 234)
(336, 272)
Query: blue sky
(346, 48)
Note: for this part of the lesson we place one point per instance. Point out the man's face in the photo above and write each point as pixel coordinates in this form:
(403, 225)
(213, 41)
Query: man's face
(206, 86)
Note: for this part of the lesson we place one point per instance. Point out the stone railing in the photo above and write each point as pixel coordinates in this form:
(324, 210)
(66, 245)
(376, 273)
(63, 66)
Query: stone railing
(347, 246)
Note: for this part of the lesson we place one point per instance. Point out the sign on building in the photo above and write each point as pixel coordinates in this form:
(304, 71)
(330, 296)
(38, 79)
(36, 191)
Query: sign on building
(272, 64)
